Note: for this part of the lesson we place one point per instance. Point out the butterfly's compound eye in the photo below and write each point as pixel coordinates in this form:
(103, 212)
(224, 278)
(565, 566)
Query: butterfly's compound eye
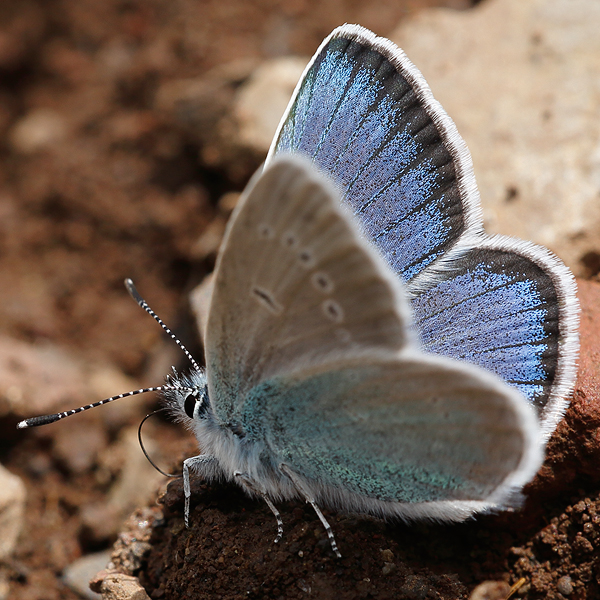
(189, 405)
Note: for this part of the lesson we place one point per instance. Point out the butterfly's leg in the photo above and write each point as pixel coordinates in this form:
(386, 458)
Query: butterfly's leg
(309, 498)
(204, 465)
(254, 488)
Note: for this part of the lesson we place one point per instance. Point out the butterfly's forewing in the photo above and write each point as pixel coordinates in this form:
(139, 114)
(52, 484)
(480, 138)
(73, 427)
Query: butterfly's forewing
(309, 354)
(294, 288)
(422, 437)
(366, 116)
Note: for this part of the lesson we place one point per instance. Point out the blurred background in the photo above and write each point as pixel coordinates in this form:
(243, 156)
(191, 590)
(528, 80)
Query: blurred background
(128, 129)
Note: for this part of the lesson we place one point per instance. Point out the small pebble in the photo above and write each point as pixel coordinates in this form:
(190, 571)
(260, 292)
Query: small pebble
(387, 555)
(39, 129)
(490, 590)
(78, 574)
(565, 585)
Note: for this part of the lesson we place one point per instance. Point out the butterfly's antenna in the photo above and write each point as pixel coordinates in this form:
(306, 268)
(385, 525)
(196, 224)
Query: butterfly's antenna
(47, 419)
(136, 296)
(144, 449)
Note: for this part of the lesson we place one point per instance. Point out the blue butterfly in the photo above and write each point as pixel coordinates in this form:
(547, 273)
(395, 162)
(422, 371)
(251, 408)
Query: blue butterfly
(368, 347)
(365, 115)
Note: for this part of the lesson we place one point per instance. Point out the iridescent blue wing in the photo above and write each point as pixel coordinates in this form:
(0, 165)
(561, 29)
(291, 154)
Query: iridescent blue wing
(508, 306)
(411, 436)
(366, 116)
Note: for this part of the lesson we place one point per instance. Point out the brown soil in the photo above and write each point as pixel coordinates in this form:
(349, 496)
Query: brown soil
(123, 189)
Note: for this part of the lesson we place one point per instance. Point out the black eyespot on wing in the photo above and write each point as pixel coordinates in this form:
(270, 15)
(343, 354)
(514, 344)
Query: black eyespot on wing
(189, 405)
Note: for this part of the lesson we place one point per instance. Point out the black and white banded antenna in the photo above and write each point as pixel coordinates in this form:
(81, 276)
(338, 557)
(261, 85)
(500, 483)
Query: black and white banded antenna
(143, 304)
(47, 419)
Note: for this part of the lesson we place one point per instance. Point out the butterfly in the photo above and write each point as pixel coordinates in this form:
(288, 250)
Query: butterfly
(369, 347)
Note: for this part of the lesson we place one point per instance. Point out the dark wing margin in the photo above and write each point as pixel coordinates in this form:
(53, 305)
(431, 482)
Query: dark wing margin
(366, 116)
(510, 307)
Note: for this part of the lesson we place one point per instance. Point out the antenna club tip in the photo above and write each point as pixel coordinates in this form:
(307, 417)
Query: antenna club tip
(43, 420)
(132, 290)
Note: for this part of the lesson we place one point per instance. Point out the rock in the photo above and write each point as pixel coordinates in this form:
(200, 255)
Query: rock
(104, 380)
(36, 379)
(138, 480)
(198, 103)
(37, 130)
(78, 574)
(574, 449)
(113, 585)
(228, 201)
(520, 80)
(233, 111)
(78, 447)
(39, 379)
(134, 540)
(387, 555)
(136, 483)
(490, 590)
(200, 302)
(209, 241)
(12, 507)
(565, 585)
(202, 108)
(262, 100)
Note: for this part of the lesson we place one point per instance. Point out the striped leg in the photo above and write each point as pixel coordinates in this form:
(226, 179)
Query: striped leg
(254, 489)
(203, 465)
(308, 498)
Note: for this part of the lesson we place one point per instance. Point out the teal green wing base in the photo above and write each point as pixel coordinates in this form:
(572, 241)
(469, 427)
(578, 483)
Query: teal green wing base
(417, 431)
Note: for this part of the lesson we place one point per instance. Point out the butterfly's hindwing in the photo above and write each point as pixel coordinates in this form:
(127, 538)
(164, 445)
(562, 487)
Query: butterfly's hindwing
(411, 430)
(506, 313)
